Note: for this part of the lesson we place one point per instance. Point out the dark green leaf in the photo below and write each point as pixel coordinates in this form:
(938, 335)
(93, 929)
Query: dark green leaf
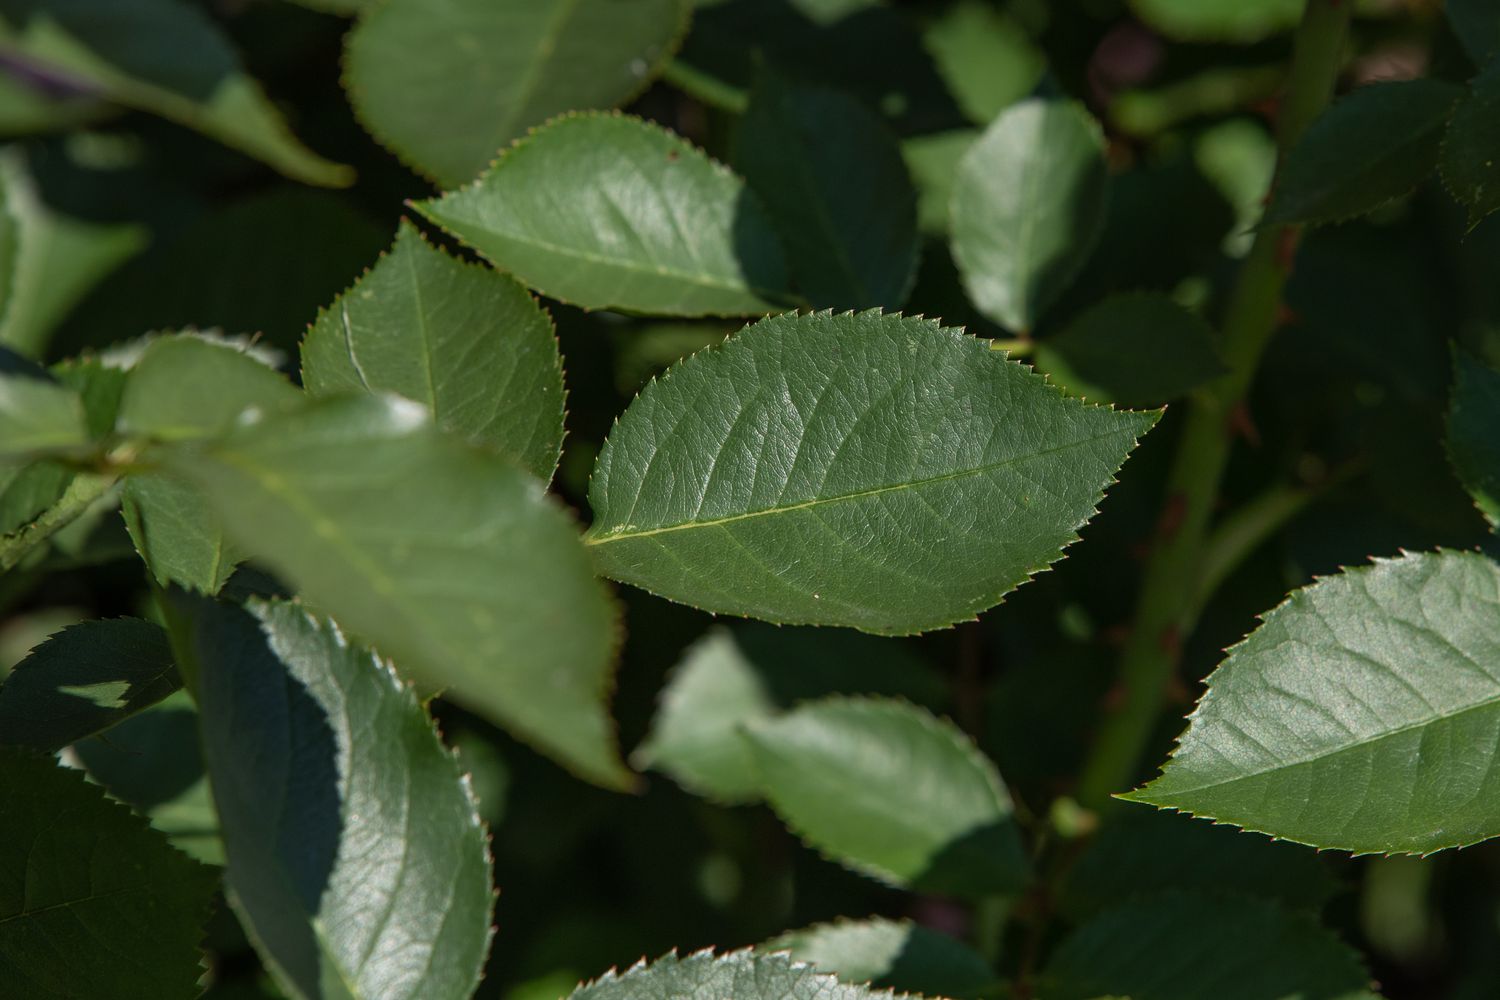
(465, 572)
(188, 386)
(831, 176)
(894, 954)
(987, 59)
(447, 87)
(1374, 145)
(354, 851)
(739, 975)
(85, 679)
(162, 56)
(93, 902)
(1219, 20)
(1135, 350)
(1358, 716)
(469, 344)
(1028, 203)
(1474, 432)
(1477, 25)
(1470, 159)
(861, 469)
(610, 212)
(1183, 946)
(889, 790)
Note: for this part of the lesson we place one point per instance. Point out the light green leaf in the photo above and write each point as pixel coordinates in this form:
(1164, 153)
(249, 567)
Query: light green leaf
(606, 211)
(370, 877)
(1219, 20)
(892, 792)
(447, 87)
(1374, 145)
(166, 57)
(868, 470)
(1470, 157)
(987, 59)
(1238, 157)
(831, 176)
(933, 162)
(1473, 438)
(1359, 716)
(451, 561)
(469, 344)
(54, 259)
(84, 882)
(1135, 350)
(893, 954)
(38, 415)
(1184, 946)
(1028, 204)
(187, 386)
(739, 975)
(85, 679)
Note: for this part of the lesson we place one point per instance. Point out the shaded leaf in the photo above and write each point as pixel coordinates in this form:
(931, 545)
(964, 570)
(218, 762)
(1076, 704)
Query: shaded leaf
(607, 211)
(875, 471)
(1358, 716)
(832, 179)
(1183, 946)
(1477, 25)
(449, 109)
(1135, 350)
(1238, 157)
(933, 162)
(371, 877)
(469, 344)
(1219, 20)
(1470, 158)
(38, 415)
(177, 534)
(162, 56)
(83, 883)
(466, 573)
(986, 58)
(887, 789)
(894, 954)
(1374, 145)
(1028, 203)
(740, 975)
(85, 679)
(1473, 438)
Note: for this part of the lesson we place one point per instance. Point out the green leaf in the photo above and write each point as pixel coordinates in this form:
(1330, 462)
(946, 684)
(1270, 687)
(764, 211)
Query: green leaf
(606, 211)
(448, 109)
(93, 902)
(894, 954)
(370, 877)
(38, 415)
(831, 176)
(1477, 25)
(1470, 158)
(1141, 851)
(1028, 204)
(1473, 444)
(868, 470)
(176, 533)
(188, 386)
(1219, 20)
(28, 490)
(464, 572)
(469, 344)
(1238, 157)
(85, 679)
(740, 975)
(987, 59)
(162, 56)
(1357, 716)
(892, 792)
(1374, 145)
(1135, 350)
(1184, 946)
(933, 162)
(55, 259)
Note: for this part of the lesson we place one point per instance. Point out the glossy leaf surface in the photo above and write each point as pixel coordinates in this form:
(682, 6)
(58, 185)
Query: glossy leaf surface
(1474, 432)
(868, 470)
(831, 176)
(465, 573)
(354, 851)
(449, 110)
(1470, 160)
(1374, 145)
(85, 679)
(893, 954)
(1027, 206)
(84, 883)
(891, 791)
(1361, 715)
(469, 344)
(606, 211)
(739, 975)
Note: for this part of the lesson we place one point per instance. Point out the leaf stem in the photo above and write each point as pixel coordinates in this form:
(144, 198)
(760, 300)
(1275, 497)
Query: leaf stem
(708, 89)
(85, 489)
(1169, 590)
